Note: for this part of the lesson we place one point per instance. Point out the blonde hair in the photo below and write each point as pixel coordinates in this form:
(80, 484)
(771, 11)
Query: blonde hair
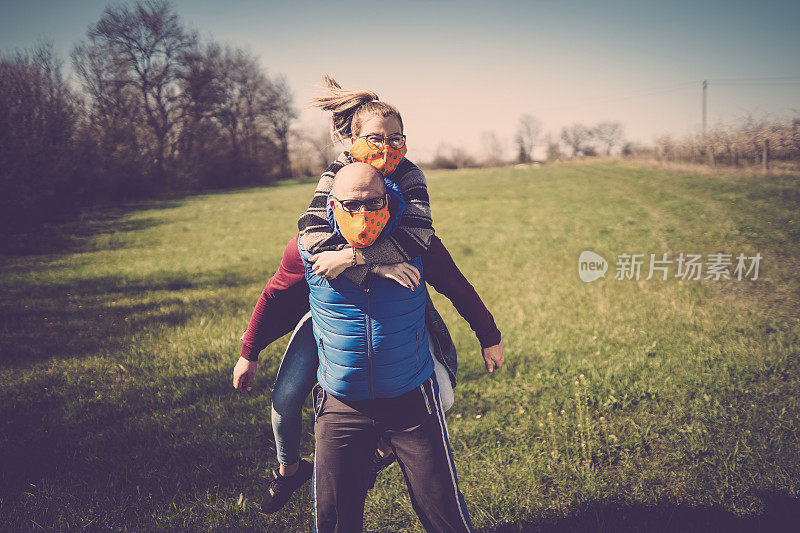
(350, 108)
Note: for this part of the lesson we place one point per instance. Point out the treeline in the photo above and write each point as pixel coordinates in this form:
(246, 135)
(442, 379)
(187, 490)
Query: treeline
(576, 140)
(754, 142)
(154, 110)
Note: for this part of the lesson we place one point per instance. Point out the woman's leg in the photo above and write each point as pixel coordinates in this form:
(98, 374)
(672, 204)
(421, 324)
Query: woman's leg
(296, 377)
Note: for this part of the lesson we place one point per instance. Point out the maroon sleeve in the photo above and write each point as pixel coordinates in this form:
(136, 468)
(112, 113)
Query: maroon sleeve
(282, 304)
(441, 272)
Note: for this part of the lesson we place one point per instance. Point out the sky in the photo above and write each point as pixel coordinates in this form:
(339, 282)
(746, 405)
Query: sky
(459, 69)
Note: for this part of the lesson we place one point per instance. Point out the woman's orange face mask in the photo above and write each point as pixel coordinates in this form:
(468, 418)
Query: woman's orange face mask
(381, 143)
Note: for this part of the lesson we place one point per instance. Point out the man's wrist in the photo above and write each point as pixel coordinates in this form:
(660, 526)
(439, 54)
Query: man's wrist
(489, 338)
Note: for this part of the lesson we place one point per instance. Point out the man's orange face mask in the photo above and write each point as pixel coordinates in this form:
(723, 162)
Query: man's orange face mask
(360, 227)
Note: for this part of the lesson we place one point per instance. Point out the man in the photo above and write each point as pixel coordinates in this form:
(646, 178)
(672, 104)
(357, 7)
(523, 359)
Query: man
(284, 303)
(375, 378)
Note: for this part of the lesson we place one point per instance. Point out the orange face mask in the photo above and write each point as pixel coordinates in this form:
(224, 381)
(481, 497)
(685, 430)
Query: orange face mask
(384, 158)
(361, 228)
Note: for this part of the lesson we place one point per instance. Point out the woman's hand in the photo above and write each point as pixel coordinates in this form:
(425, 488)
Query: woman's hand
(403, 273)
(331, 264)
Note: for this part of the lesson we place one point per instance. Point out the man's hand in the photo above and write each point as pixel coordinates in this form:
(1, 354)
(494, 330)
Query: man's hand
(244, 374)
(331, 264)
(493, 357)
(405, 274)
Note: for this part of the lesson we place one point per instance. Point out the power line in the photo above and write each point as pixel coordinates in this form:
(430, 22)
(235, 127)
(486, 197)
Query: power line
(650, 92)
(771, 81)
(770, 78)
(758, 83)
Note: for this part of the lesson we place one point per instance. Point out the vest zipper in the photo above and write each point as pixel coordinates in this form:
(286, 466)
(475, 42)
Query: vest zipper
(368, 324)
(416, 333)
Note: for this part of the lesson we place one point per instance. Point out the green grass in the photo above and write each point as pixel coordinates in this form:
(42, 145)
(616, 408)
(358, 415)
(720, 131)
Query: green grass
(621, 404)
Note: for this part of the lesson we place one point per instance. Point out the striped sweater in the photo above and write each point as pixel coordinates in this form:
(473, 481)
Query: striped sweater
(408, 240)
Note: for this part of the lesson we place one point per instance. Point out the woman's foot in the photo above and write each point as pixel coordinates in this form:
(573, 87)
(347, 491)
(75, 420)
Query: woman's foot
(281, 487)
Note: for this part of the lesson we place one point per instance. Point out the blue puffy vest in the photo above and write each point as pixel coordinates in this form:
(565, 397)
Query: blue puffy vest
(372, 340)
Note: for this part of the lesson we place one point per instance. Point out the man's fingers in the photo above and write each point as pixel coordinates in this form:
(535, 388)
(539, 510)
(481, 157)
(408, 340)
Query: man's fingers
(313, 257)
(498, 360)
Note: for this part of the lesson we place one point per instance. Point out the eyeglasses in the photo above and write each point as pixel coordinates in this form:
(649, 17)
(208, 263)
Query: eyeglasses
(370, 204)
(395, 141)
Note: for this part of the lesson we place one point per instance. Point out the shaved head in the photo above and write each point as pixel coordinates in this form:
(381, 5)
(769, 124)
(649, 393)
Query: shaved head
(358, 181)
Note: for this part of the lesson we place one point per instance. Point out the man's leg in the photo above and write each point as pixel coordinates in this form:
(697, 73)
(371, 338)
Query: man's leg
(345, 438)
(416, 430)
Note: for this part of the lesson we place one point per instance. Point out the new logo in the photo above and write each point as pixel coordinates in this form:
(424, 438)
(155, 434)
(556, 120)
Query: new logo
(591, 266)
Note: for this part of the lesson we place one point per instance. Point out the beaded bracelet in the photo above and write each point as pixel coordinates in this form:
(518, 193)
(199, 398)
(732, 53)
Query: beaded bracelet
(354, 257)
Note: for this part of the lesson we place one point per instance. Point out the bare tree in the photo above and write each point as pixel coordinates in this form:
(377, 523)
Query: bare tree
(141, 47)
(553, 148)
(577, 137)
(529, 132)
(609, 134)
(492, 148)
(225, 90)
(38, 120)
(311, 151)
(755, 141)
(281, 114)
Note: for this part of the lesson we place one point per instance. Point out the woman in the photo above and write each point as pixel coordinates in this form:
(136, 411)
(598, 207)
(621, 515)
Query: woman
(376, 132)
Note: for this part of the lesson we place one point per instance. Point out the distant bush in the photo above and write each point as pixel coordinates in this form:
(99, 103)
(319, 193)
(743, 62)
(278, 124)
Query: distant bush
(451, 158)
(752, 142)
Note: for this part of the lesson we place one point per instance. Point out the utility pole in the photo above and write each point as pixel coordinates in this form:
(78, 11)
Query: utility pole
(705, 90)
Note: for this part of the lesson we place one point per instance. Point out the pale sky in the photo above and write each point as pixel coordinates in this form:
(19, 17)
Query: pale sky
(458, 69)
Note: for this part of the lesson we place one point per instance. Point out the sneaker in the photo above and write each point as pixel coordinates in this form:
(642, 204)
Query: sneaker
(281, 487)
(376, 464)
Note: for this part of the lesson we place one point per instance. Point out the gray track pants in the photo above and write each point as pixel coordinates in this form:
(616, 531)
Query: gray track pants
(413, 425)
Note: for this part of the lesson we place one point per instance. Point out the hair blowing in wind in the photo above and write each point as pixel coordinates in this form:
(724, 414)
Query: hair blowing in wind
(349, 107)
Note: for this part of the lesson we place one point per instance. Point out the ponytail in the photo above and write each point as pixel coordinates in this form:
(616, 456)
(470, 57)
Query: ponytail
(350, 107)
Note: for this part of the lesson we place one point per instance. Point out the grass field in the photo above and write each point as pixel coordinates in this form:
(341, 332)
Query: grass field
(623, 405)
